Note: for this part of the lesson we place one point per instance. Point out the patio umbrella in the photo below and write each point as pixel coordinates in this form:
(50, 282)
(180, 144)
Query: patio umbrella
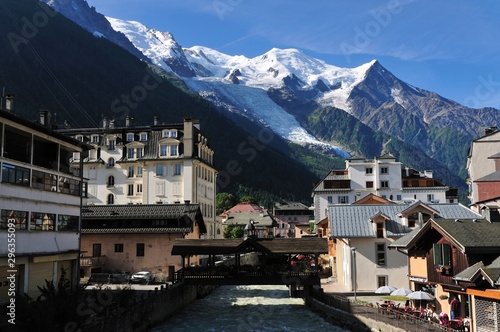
(401, 292)
(419, 295)
(385, 290)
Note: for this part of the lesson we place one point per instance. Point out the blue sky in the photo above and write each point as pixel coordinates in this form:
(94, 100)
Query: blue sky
(449, 47)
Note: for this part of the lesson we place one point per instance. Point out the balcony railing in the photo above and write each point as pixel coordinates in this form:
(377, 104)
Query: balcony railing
(92, 261)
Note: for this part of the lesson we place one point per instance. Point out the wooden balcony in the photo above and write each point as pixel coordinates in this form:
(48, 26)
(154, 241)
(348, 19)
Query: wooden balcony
(92, 261)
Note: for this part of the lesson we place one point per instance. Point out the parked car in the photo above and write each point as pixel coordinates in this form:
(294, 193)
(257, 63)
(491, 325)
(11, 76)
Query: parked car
(142, 277)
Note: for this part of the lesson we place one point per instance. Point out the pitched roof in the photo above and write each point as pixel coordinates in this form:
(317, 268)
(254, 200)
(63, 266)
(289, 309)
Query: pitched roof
(353, 221)
(490, 273)
(262, 220)
(493, 177)
(183, 215)
(281, 246)
(469, 235)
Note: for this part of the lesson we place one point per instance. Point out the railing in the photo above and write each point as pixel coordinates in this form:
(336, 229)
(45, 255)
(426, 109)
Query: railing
(86, 261)
(394, 317)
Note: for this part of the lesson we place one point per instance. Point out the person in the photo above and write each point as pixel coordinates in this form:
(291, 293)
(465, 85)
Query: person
(454, 308)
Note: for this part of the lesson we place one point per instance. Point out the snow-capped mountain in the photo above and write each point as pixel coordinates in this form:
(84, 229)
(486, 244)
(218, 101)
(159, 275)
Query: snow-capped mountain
(283, 89)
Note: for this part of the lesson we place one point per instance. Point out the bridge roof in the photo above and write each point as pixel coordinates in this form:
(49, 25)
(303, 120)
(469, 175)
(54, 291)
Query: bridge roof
(276, 246)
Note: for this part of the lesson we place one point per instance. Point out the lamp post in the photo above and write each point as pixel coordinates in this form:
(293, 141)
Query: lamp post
(353, 250)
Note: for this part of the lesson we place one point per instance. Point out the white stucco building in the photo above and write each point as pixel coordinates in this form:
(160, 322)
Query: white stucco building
(382, 176)
(157, 164)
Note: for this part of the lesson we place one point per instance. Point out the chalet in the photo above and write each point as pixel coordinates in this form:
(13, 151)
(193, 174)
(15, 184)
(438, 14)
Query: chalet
(448, 257)
(363, 233)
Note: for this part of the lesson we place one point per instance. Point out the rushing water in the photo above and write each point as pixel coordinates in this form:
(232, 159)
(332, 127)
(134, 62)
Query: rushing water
(245, 309)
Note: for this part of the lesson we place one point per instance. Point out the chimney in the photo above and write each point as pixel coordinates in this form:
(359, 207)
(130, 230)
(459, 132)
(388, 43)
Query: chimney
(129, 121)
(105, 122)
(188, 137)
(45, 118)
(407, 171)
(155, 120)
(489, 131)
(111, 123)
(9, 102)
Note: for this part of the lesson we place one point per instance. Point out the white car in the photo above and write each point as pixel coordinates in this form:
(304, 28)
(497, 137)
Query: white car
(143, 277)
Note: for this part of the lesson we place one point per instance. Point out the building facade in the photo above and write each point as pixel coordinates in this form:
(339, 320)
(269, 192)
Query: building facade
(157, 164)
(292, 219)
(483, 167)
(41, 194)
(382, 176)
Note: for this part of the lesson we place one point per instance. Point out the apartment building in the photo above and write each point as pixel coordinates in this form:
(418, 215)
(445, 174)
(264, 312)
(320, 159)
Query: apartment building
(382, 176)
(41, 194)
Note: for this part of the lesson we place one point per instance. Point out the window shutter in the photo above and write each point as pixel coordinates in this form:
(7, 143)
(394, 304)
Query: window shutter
(446, 254)
(438, 258)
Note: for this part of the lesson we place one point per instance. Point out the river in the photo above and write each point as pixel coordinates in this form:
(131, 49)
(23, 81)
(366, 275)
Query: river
(247, 308)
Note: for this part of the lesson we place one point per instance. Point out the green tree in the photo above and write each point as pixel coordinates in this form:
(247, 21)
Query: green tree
(238, 232)
(223, 202)
(233, 232)
(248, 199)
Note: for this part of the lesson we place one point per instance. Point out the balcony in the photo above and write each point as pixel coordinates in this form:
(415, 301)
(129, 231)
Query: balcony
(92, 261)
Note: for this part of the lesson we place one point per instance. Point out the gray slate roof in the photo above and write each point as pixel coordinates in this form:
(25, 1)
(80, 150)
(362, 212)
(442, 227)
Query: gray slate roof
(490, 272)
(262, 220)
(353, 221)
(139, 211)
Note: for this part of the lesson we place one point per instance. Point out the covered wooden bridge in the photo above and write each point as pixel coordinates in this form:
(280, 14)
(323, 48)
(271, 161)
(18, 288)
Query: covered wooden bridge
(274, 261)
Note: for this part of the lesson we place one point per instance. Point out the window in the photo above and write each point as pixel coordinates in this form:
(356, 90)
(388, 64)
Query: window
(173, 150)
(343, 199)
(42, 221)
(369, 170)
(18, 218)
(130, 153)
(381, 281)
(130, 137)
(143, 137)
(398, 197)
(118, 247)
(166, 133)
(111, 162)
(140, 250)
(442, 254)
(430, 197)
(96, 250)
(111, 144)
(177, 169)
(139, 171)
(95, 139)
(163, 150)
(330, 199)
(67, 223)
(15, 175)
(173, 133)
(111, 181)
(380, 251)
(369, 184)
(160, 170)
(139, 189)
(140, 152)
(111, 199)
(384, 170)
(380, 230)
(130, 189)
(131, 171)
(384, 184)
